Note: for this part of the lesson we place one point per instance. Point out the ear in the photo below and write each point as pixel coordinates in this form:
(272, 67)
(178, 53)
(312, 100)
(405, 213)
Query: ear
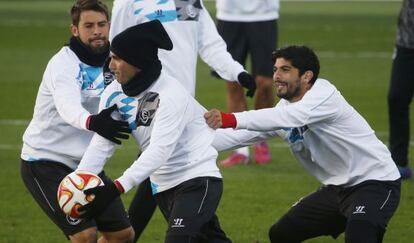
(74, 30)
(307, 76)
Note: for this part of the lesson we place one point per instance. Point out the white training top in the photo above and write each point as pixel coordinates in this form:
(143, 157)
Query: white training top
(247, 10)
(331, 140)
(173, 135)
(191, 30)
(68, 94)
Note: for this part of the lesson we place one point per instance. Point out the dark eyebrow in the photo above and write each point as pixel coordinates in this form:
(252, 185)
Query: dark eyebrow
(100, 22)
(284, 67)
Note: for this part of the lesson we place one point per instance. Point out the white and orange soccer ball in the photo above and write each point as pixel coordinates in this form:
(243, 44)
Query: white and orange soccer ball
(70, 191)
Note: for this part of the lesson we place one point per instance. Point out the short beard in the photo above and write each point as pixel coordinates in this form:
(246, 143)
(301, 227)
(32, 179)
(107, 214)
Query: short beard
(100, 49)
(290, 95)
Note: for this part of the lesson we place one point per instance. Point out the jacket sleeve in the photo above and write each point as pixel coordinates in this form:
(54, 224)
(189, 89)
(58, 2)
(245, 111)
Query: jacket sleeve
(312, 108)
(66, 94)
(169, 123)
(122, 17)
(213, 49)
(229, 139)
(99, 149)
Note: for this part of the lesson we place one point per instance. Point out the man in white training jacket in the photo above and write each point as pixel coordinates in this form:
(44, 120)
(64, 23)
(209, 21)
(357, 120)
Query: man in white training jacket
(176, 143)
(361, 184)
(64, 121)
(193, 34)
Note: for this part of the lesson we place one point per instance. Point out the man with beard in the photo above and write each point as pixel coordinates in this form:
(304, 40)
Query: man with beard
(361, 183)
(65, 120)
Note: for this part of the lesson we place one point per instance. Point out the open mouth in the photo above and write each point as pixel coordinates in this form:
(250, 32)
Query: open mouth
(280, 84)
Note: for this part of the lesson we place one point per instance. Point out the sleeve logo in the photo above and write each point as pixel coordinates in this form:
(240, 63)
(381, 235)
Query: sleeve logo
(148, 105)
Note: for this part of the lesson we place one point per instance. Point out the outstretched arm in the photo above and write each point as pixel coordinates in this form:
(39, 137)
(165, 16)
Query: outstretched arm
(230, 139)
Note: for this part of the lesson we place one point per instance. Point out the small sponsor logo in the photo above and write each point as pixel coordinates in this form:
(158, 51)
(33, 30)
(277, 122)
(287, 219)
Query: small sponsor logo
(178, 223)
(159, 13)
(191, 12)
(359, 209)
(144, 116)
(108, 78)
(73, 221)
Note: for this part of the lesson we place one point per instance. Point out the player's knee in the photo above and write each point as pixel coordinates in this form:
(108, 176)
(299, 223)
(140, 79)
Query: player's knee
(282, 232)
(264, 84)
(180, 239)
(123, 236)
(359, 231)
(86, 236)
(234, 89)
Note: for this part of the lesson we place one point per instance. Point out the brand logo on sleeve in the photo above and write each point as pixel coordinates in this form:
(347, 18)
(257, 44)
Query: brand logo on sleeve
(148, 105)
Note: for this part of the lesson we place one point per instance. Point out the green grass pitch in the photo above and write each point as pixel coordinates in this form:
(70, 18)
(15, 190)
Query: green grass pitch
(353, 39)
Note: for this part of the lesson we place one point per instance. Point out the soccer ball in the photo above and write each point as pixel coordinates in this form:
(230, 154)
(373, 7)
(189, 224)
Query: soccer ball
(70, 191)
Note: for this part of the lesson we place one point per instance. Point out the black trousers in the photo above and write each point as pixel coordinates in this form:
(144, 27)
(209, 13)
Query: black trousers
(399, 99)
(361, 211)
(42, 179)
(190, 210)
(142, 208)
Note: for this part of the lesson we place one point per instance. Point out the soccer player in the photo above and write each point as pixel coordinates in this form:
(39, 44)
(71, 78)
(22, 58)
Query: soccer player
(65, 120)
(401, 90)
(176, 143)
(249, 27)
(193, 34)
(361, 183)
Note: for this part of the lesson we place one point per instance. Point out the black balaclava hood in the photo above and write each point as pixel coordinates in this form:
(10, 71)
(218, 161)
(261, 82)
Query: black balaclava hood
(138, 46)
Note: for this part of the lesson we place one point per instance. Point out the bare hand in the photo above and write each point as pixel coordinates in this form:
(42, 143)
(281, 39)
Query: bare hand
(213, 118)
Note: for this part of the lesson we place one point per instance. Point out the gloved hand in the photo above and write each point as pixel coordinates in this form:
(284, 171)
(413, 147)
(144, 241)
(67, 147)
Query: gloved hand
(108, 75)
(104, 195)
(104, 125)
(247, 81)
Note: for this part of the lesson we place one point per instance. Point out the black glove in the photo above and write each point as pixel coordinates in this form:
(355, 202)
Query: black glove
(104, 195)
(108, 75)
(247, 81)
(104, 125)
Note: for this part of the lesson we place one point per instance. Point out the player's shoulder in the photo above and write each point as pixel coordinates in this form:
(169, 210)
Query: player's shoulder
(170, 87)
(64, 62)
(322, 89)
(64, 58)
(122, 4)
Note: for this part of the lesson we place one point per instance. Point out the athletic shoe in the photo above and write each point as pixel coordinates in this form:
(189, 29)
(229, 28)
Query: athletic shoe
(235, 159)
(405, 172)
(262, 153)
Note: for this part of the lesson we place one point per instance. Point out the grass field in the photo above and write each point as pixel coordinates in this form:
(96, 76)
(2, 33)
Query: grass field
(354, 41)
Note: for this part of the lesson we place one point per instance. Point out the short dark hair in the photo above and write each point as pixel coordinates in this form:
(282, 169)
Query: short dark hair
(84, 5)
(301, 57)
